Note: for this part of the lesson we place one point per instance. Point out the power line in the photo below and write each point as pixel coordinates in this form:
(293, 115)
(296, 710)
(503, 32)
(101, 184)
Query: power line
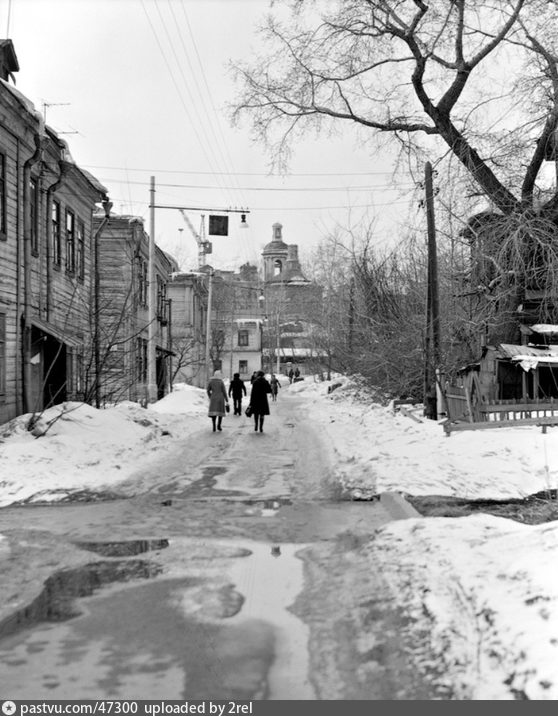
(365, 187)
(240, 174)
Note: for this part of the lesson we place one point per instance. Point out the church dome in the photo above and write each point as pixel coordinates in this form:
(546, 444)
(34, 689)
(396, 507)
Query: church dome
(276, 245)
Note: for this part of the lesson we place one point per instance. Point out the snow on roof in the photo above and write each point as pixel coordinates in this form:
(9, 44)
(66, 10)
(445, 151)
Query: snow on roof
(302, 352)
(544, 328)
(515, 352)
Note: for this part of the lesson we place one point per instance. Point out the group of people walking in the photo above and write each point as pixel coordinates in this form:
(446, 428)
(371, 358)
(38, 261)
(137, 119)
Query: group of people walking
(219, 403)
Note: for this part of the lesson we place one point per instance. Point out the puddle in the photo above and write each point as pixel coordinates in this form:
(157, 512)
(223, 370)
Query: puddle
(56, 602)
(219, 626)
(270, 580)
(124, 549)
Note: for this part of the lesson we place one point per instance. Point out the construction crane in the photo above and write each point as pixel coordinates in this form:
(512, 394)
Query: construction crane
(204, 247)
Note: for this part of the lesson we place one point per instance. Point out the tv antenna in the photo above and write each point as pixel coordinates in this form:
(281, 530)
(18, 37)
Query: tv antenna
(53, 104)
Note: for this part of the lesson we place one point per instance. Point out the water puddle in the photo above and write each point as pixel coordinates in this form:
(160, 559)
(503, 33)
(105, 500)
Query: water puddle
(216, 624)
(270, 580)
(57, 600)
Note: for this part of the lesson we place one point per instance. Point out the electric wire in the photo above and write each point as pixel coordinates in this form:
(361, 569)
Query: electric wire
(177, 88)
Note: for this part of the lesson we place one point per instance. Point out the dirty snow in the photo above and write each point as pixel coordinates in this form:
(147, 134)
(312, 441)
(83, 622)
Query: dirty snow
(483, 588)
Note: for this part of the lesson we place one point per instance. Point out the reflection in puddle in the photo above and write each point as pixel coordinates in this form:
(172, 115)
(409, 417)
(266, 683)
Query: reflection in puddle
(56, 602)
(124, 549)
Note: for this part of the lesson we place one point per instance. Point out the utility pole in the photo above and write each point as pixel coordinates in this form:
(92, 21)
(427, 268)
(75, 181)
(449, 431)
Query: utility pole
(151, 303)
(208, 326)
(432, 338)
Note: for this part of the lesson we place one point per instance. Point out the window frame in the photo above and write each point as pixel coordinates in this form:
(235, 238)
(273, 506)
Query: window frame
(34, 215)
(70, 235)
(56, 233)
(243, 342)
(80, 249)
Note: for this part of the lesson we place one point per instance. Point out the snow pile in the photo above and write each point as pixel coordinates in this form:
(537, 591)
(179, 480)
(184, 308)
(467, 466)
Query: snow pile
(77, 447)
(480, 587)
(480, 591)
(380, 450)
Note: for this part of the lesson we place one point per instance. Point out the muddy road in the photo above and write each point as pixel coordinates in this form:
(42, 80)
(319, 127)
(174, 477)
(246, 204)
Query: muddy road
(229, 567)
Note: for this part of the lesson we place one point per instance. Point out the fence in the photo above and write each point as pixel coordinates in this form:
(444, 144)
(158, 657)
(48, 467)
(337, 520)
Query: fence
(497, 413)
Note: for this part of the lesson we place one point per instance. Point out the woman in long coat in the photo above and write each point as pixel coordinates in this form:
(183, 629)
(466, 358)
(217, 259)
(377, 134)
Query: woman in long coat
(258, 400)
(218, 398)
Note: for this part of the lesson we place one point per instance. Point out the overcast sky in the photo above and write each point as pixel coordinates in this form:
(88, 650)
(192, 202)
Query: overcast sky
(139, 88)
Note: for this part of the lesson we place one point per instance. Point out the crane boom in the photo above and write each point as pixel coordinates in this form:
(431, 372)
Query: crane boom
(204, 247)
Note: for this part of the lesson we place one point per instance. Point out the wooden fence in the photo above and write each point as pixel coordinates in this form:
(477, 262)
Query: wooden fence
(463, 415)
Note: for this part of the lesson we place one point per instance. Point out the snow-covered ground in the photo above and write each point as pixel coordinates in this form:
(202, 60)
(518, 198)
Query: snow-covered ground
(484, 588)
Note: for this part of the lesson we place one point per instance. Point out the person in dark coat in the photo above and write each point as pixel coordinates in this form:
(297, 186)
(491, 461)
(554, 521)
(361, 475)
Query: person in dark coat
(254, 376)
(258, 400)
(217, 394)
(237, 389)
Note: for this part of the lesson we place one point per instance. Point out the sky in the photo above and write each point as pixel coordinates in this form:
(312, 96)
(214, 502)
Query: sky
(479, 585)
(140, 88)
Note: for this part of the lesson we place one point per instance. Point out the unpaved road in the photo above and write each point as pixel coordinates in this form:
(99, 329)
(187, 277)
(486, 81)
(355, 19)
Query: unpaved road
(230, 568)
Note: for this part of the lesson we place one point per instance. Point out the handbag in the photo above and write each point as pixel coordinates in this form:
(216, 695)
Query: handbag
(228, 408)
(248, 412)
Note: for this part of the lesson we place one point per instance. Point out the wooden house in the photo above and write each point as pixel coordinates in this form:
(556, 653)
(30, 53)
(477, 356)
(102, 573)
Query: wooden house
(123, 315)
(46, 217)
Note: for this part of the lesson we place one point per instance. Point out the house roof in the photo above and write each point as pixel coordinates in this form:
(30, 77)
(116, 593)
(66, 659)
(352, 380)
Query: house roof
(515, 352)
(529, 356)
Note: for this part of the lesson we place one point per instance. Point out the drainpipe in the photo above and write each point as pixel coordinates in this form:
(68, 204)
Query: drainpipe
(29, 163)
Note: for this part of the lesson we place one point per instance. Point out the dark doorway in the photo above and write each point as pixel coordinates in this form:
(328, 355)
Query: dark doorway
(55, 376)
(161, 367)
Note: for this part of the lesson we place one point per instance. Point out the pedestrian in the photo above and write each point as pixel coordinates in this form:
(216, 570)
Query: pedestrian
(237, 389)
(258, 400)
(275, 385)
(254, 376)
(218, 399)
(296, 373)
(291, 375)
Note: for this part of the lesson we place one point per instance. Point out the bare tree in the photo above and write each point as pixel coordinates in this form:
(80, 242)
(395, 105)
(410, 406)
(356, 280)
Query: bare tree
(475, 80)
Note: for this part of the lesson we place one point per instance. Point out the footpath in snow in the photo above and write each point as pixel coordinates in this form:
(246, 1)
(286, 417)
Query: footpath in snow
(479, 586)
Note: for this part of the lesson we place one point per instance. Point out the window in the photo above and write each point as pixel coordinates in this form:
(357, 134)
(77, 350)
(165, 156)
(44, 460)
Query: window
(80, 246)
(243, 367)
(70, 242)
(142, 281)
(56, 233)
(142, 360)
(2, 197)
(34, 210)
(2, 354)
(161, 300)
(242, 338)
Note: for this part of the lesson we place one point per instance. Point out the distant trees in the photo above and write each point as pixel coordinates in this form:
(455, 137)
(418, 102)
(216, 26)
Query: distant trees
(476, 81)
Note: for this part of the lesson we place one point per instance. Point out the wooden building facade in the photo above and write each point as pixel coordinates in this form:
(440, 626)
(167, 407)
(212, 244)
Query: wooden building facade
(46, 217)
(123, 314)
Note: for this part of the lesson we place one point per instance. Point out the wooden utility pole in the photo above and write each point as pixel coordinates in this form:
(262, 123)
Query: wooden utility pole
(432, 342)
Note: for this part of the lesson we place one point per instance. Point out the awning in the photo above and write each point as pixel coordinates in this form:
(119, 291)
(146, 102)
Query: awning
(56, 332)
(301, 353)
